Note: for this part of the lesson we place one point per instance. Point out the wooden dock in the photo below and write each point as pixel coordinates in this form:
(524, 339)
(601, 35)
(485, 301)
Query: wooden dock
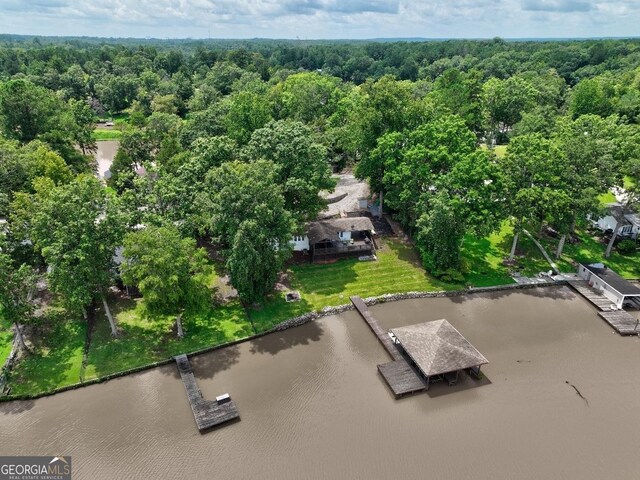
(595, 297)
(401, 378)
(621, 321)
(399, 375)
(207, 413)
(383, 336)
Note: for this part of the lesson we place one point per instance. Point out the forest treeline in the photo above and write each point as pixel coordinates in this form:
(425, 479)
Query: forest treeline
(234, 145)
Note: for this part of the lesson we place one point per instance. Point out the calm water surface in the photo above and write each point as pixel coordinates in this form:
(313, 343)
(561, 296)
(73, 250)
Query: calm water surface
(105, 153)
(313, 405)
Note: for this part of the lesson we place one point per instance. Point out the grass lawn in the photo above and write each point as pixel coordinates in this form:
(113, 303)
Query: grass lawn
(591, 250)
(6, 339)
(55, 362)
(146, 338)
(499, 150)
(106, 134)
(484, 257)
(398, 269)
(607, 198)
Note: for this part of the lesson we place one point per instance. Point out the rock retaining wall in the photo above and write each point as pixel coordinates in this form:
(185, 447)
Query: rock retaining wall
(296, 322)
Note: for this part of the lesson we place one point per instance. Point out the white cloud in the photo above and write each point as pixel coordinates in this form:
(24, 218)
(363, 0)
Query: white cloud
(321, 18)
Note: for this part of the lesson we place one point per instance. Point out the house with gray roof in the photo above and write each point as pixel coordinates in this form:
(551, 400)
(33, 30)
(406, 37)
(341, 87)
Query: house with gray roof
(334, 238)
(627, 221)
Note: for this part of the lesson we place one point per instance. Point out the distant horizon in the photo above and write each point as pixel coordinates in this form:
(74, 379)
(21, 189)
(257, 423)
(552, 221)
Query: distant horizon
(327, 39)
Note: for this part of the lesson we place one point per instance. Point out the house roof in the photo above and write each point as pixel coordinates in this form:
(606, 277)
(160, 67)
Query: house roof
(612, 279)
(617, 211)
(328, 229)
(437, 347)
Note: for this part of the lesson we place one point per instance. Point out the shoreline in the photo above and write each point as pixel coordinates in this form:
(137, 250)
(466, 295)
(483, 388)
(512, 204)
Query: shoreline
(286, 324)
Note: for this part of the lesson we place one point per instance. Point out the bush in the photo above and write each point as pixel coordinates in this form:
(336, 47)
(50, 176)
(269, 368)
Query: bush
(626, 247)
(449, 275)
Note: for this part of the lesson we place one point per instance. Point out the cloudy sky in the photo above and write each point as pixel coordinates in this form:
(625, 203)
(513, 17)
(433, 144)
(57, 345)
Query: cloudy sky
(308, 19)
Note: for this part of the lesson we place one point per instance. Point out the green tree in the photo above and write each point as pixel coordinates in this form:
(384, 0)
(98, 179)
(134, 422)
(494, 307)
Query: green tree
(505, 101)
(248, 217)
(588, 97)
(460, 93)
(164, 266)
(531, 170)
(301, 165)
(246, 112)
(17, 286)
(77, 227)
(254, 263)
(308, 96)
(27, 110)
(589, 160)
(440, 233)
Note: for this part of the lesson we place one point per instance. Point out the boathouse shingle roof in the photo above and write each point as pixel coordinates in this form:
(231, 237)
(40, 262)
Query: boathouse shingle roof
(437, 347)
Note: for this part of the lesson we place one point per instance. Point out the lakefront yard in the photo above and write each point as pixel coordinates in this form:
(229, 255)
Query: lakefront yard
(63, 353)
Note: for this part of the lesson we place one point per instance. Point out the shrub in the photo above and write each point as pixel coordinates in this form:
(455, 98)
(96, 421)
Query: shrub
(626, 247)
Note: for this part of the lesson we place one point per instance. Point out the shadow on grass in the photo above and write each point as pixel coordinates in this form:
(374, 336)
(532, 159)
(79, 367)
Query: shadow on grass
(404, 252)
(146, 337)
(485, 263)
(56, 358)
(279, 341)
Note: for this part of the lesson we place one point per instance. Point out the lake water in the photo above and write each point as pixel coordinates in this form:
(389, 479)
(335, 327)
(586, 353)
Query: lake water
(313, 405)
(105, 154)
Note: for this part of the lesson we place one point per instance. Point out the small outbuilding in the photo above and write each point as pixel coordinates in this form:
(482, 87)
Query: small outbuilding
(438, 350)
(610, 284)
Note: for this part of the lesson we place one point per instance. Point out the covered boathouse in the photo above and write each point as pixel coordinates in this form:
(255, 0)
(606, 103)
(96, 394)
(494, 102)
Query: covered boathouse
(611, 285)
(438, 350)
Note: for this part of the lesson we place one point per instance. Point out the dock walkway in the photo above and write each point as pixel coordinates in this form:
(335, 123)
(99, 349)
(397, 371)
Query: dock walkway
(596, 298)
(622, 322)
(399, 374)
(207, 413)
(383, 336)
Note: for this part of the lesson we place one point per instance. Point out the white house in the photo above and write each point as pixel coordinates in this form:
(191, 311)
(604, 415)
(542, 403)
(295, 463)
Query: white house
(300, 243)
(610, 284)
(629, 222)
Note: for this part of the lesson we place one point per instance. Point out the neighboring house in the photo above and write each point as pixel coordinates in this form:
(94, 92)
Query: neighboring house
(610, 284)
(335, 238)
(629, 222)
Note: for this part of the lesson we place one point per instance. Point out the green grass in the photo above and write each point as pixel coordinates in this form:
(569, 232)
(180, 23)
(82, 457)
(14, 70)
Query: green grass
(499, 150)
(56, 360)
(607, 198)
(590, 249)
(6, 339)
(145, 338)
(484, 256)
(398, 269)
(106, 134)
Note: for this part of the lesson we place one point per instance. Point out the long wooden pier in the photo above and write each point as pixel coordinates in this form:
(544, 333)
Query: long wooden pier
(399, 375)
(592, 295)
(207, 413)
(383, 336)
(622, 322)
